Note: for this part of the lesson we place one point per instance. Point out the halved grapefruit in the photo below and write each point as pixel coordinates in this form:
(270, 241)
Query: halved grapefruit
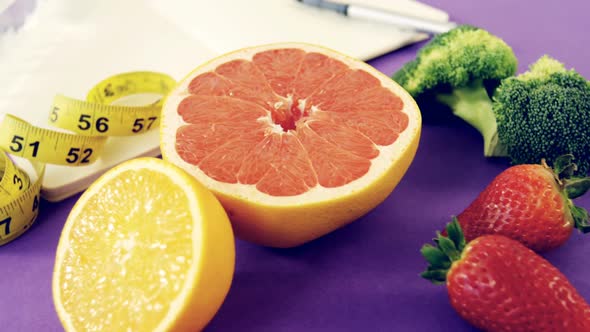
(295, 140)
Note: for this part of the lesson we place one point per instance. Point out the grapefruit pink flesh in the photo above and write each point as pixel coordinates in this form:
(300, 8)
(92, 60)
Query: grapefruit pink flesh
(287, 121)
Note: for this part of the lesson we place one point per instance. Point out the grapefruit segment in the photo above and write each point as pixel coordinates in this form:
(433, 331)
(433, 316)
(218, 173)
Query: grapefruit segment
(289, 171)
(314, 72)
(210, 84)
(248, 82)
(207, 131)
(279, 165)
(229, 112)
(224, 163)
(277, 66)
(345, 137)
(277, 129)
(334, 166)
(258, 161)
(342, 89)
(367, 100)
(382, 128)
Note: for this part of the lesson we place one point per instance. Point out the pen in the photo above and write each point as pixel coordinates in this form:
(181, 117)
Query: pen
(379, 15)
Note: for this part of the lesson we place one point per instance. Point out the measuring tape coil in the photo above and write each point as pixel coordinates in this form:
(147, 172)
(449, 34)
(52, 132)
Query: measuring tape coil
(89, 124)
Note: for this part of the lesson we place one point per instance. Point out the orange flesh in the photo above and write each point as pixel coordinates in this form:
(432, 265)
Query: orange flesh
(287, 121)
(118, 270)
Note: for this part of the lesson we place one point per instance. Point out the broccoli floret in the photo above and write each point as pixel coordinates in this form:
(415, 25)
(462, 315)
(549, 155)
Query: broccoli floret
(545, 113)
(461, 69)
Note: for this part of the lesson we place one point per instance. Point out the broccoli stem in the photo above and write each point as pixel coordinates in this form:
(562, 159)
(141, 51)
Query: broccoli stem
(472, 104)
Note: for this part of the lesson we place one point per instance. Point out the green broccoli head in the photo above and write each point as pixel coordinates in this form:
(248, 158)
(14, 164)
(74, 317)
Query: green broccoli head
(460, 70)
(456, 59)
(545, 113)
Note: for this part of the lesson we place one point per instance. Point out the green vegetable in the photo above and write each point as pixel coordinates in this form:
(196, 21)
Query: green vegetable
(543, 113)
(461, 69)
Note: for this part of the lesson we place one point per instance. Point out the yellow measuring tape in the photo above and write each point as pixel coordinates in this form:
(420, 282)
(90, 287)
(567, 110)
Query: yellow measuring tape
(90, 121)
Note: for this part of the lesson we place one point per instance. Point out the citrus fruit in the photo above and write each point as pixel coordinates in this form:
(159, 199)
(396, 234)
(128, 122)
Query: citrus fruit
(295, 140)
(145, 248)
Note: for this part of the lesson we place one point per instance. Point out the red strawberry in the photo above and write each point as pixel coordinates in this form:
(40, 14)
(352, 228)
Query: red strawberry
(531, 204)
(498, 284)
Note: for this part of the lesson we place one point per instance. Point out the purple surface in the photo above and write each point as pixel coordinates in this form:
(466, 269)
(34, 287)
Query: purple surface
(14, 15)
(363, 277)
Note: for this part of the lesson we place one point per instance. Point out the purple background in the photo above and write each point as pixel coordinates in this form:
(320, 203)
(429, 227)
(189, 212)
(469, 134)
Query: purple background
(363, 277)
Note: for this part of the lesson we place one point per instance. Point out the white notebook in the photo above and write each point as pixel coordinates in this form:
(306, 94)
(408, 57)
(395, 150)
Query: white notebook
(67, 46)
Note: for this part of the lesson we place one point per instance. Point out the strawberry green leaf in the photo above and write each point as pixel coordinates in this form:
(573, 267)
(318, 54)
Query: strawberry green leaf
(456, 234)
(437, 277)
(563, 165)
(581, 219)
(576, 187)
(435, 257)
(447, 246)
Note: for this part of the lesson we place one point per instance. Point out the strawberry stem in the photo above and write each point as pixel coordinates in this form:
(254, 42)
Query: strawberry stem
(447, 250)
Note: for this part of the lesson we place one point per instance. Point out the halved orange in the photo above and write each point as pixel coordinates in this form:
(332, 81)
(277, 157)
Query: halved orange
(145, 248)
(295, 140)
